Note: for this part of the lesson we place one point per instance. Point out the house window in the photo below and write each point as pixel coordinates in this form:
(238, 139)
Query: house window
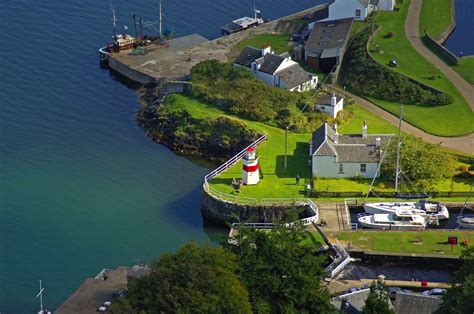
(328, 31)
(323, 108)
(341, 168)
(363, 168)
(357, 13)
(322, 43)
(332, 24)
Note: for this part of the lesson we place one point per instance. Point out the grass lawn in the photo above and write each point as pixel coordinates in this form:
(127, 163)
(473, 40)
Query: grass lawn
(422, 242)
(314, 239)
(276, 183)
(450, 120)
(465, 68)
(441, 9)
(278, 42)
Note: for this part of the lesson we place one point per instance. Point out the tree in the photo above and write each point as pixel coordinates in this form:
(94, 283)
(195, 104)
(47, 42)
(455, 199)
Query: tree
(458, 298)
(420, 162)
(377, 301)
(193, 280)
(282, 275)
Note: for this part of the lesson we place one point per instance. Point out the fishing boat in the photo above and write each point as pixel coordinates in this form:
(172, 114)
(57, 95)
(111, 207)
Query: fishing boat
(243, 23)
(120, 42)
(398, 220)
(424, 208)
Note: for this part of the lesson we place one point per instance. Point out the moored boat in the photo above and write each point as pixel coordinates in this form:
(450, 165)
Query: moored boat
(243, 23)
(466, 222)
(422, 207)
(398, 220)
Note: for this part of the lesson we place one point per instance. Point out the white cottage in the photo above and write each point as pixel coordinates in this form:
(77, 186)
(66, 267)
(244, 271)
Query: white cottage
(335, 155)
(358, 9)
(331, 105)
(276, 70)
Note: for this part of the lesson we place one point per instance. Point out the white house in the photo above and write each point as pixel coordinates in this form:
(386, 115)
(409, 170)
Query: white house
(331, 105)
(358, 9)
(337, 155)
(276, 70)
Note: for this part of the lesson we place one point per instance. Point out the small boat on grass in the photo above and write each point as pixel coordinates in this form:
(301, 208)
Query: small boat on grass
(398, 220)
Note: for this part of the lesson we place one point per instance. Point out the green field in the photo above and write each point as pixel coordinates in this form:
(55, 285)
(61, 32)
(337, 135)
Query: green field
(278, 42)
(465, 68)
(450, 120)
(278, 184)
(421, 242)
(442, 10)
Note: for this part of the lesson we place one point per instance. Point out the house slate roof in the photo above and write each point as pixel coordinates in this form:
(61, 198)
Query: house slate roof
(355, 300)
(294, 76)
(271, 62)
(409, 303)
(329, 35)
(366, 3)
(247, 56)
(325, 100)
(350, 148)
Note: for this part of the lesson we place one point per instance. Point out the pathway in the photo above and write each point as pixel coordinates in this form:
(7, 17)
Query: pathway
(462, 143)
(412, 32)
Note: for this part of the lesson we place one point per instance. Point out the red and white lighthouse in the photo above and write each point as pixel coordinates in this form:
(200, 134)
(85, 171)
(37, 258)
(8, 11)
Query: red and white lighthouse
(250, 172)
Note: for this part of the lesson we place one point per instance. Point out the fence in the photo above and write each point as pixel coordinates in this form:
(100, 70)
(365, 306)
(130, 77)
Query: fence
(350, 194)
(340, 259)
(229, 163)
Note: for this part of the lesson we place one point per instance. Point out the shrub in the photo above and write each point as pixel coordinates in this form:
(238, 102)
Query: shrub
(463, 168)
(362, 74)
(389, 35)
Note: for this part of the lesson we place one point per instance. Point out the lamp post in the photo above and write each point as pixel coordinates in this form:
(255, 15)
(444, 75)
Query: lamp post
(286, 148)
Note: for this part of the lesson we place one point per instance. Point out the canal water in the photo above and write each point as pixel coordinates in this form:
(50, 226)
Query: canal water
(82, 188)
(461, 39)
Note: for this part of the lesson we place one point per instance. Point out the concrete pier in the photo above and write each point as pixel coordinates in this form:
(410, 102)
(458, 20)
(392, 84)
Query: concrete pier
(160, 63)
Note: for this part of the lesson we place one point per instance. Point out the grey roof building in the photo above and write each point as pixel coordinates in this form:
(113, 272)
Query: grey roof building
(353, 302)
(326, 44)
(247, 56)
(346, 155)
(408, 303)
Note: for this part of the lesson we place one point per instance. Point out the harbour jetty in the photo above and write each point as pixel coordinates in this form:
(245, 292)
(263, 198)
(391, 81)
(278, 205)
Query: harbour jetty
(173, 62)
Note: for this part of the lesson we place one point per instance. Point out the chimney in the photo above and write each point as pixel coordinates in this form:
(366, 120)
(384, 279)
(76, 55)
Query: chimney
(364, 129)
(333, 100)
(334, 126)
(336, 138)
(377, 142)
(266, 49)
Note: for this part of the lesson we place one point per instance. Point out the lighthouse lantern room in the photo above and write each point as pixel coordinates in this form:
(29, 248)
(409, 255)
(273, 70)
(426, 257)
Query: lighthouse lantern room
(250, 171)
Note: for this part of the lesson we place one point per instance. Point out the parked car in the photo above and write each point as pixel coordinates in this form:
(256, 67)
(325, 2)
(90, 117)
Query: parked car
(352, 290)
(101, 308)
(392, 291)
(437, 292)
(120, 293)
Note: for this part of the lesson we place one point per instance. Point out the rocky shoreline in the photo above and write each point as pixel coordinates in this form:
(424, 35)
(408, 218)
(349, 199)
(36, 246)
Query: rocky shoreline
(216, 139)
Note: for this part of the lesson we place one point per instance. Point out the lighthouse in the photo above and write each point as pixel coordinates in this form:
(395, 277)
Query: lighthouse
(250, 172)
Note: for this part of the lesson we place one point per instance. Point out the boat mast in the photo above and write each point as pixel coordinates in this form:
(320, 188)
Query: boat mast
(114, 19)
(397, 171)
(161, 19)
(254, 10)
(40, 295)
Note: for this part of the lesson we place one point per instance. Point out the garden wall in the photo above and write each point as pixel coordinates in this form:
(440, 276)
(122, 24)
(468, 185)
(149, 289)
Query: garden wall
(433, 44)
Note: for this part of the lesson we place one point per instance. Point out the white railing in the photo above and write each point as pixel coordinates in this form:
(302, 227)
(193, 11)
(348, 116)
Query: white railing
(229, 163)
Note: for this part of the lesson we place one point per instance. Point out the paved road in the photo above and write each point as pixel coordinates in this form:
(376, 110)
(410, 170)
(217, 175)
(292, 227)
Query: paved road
(462, 143)
(412, 32)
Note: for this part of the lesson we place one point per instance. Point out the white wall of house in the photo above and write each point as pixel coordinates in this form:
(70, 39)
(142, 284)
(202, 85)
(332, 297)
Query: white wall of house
(326, 166)
(386, 5)
(332, 111)
(341, 9)
(267, 78)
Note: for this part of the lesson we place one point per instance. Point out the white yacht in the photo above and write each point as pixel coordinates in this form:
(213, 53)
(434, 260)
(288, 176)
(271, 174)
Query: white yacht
(466, 222)
(398, 220)
(428, 209)
(422, 207)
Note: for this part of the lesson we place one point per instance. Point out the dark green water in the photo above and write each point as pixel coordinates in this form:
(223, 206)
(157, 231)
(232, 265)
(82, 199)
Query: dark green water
(81, 187)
